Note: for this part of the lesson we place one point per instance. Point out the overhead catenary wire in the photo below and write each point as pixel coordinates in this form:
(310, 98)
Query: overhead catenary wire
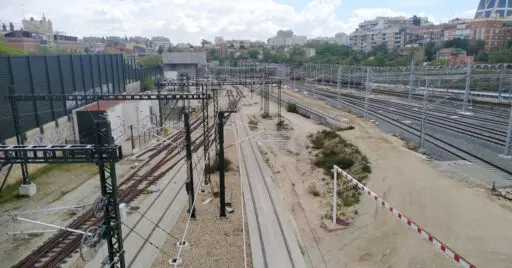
(152, 222)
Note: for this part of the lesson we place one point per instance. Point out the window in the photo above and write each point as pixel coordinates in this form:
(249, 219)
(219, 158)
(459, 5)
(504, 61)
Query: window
(502, 3)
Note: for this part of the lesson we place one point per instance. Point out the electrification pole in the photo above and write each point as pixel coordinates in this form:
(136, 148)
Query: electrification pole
(424, 118)
(466, 92)
(502, 76)
(190, 169)
(411, 80)
(508, 144)
(367, 93)
(222, 189)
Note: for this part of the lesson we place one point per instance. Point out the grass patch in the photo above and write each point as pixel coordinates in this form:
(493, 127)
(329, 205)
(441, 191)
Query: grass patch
(10, 192)
(331, 149)
(214, 167)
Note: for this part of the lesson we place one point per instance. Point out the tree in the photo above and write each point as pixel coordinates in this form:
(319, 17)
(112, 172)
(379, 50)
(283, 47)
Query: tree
(151, 60)
(482, 56)
(160, 50)
(457, 43)
(503, 56)
(430, 51)
(475, 47)
(87, 50)
(253, 54)
(6, 50)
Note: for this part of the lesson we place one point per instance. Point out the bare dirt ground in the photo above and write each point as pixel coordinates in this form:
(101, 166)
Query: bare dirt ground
(465, 217)
(214, 241)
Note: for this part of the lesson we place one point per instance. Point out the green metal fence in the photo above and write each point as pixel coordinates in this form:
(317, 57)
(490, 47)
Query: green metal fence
(61, 74)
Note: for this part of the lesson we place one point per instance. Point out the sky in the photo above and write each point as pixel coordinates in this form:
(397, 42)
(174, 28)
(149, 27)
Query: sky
(192, 20)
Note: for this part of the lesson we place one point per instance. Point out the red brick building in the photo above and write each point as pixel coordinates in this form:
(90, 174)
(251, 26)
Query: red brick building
(495, 32)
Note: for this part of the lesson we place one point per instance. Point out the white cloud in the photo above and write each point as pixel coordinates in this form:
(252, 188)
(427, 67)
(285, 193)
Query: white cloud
(191, 20)
(468, 14)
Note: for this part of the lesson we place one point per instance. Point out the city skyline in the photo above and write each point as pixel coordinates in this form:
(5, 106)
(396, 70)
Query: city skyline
(245, 19)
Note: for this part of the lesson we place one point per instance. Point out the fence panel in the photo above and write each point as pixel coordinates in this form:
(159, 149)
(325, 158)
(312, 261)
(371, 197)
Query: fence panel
(56, 84)
(61, 74)
(23, 85)
(6, 124)
(41, 86)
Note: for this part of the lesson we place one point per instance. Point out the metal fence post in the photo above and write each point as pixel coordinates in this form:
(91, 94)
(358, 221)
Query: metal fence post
(99, 74)
(92, 74)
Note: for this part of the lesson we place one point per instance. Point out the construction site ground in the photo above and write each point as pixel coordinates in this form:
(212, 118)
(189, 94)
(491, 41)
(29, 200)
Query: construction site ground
(466, 217)
(213, 241)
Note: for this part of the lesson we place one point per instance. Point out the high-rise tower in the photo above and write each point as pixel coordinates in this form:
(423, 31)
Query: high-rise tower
(494, 9)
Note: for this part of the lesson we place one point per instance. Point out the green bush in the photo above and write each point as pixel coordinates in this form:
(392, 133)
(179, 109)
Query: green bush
(147, 84)
(366, 168)
(332, 150)
(214, 167)
(291, 108)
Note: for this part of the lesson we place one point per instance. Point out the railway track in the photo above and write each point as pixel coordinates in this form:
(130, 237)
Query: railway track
(273, 242)
(504, 171)
(495, 135)
(449, 101)
(56, 249)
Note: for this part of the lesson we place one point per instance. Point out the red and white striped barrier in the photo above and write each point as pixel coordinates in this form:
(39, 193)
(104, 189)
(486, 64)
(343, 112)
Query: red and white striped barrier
(424, 234)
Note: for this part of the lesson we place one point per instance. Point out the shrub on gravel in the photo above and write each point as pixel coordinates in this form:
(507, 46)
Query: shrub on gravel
(214, 166)
(291, 108)
(331, 149)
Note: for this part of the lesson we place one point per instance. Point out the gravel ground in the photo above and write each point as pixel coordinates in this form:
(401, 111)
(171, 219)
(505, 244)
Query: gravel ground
(443, 204)
(214, 241)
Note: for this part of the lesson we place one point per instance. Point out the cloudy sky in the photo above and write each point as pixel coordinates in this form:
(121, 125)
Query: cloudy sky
(191, 20)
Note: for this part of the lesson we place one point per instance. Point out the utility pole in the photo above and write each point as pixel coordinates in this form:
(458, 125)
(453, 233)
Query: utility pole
(190, 175)
(424, 118)
(466, 92)
(411, 79)
(222, 189)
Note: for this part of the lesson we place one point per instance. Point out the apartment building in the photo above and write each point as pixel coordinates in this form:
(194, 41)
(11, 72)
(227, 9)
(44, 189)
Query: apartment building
(391, 31)
(494, 32)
